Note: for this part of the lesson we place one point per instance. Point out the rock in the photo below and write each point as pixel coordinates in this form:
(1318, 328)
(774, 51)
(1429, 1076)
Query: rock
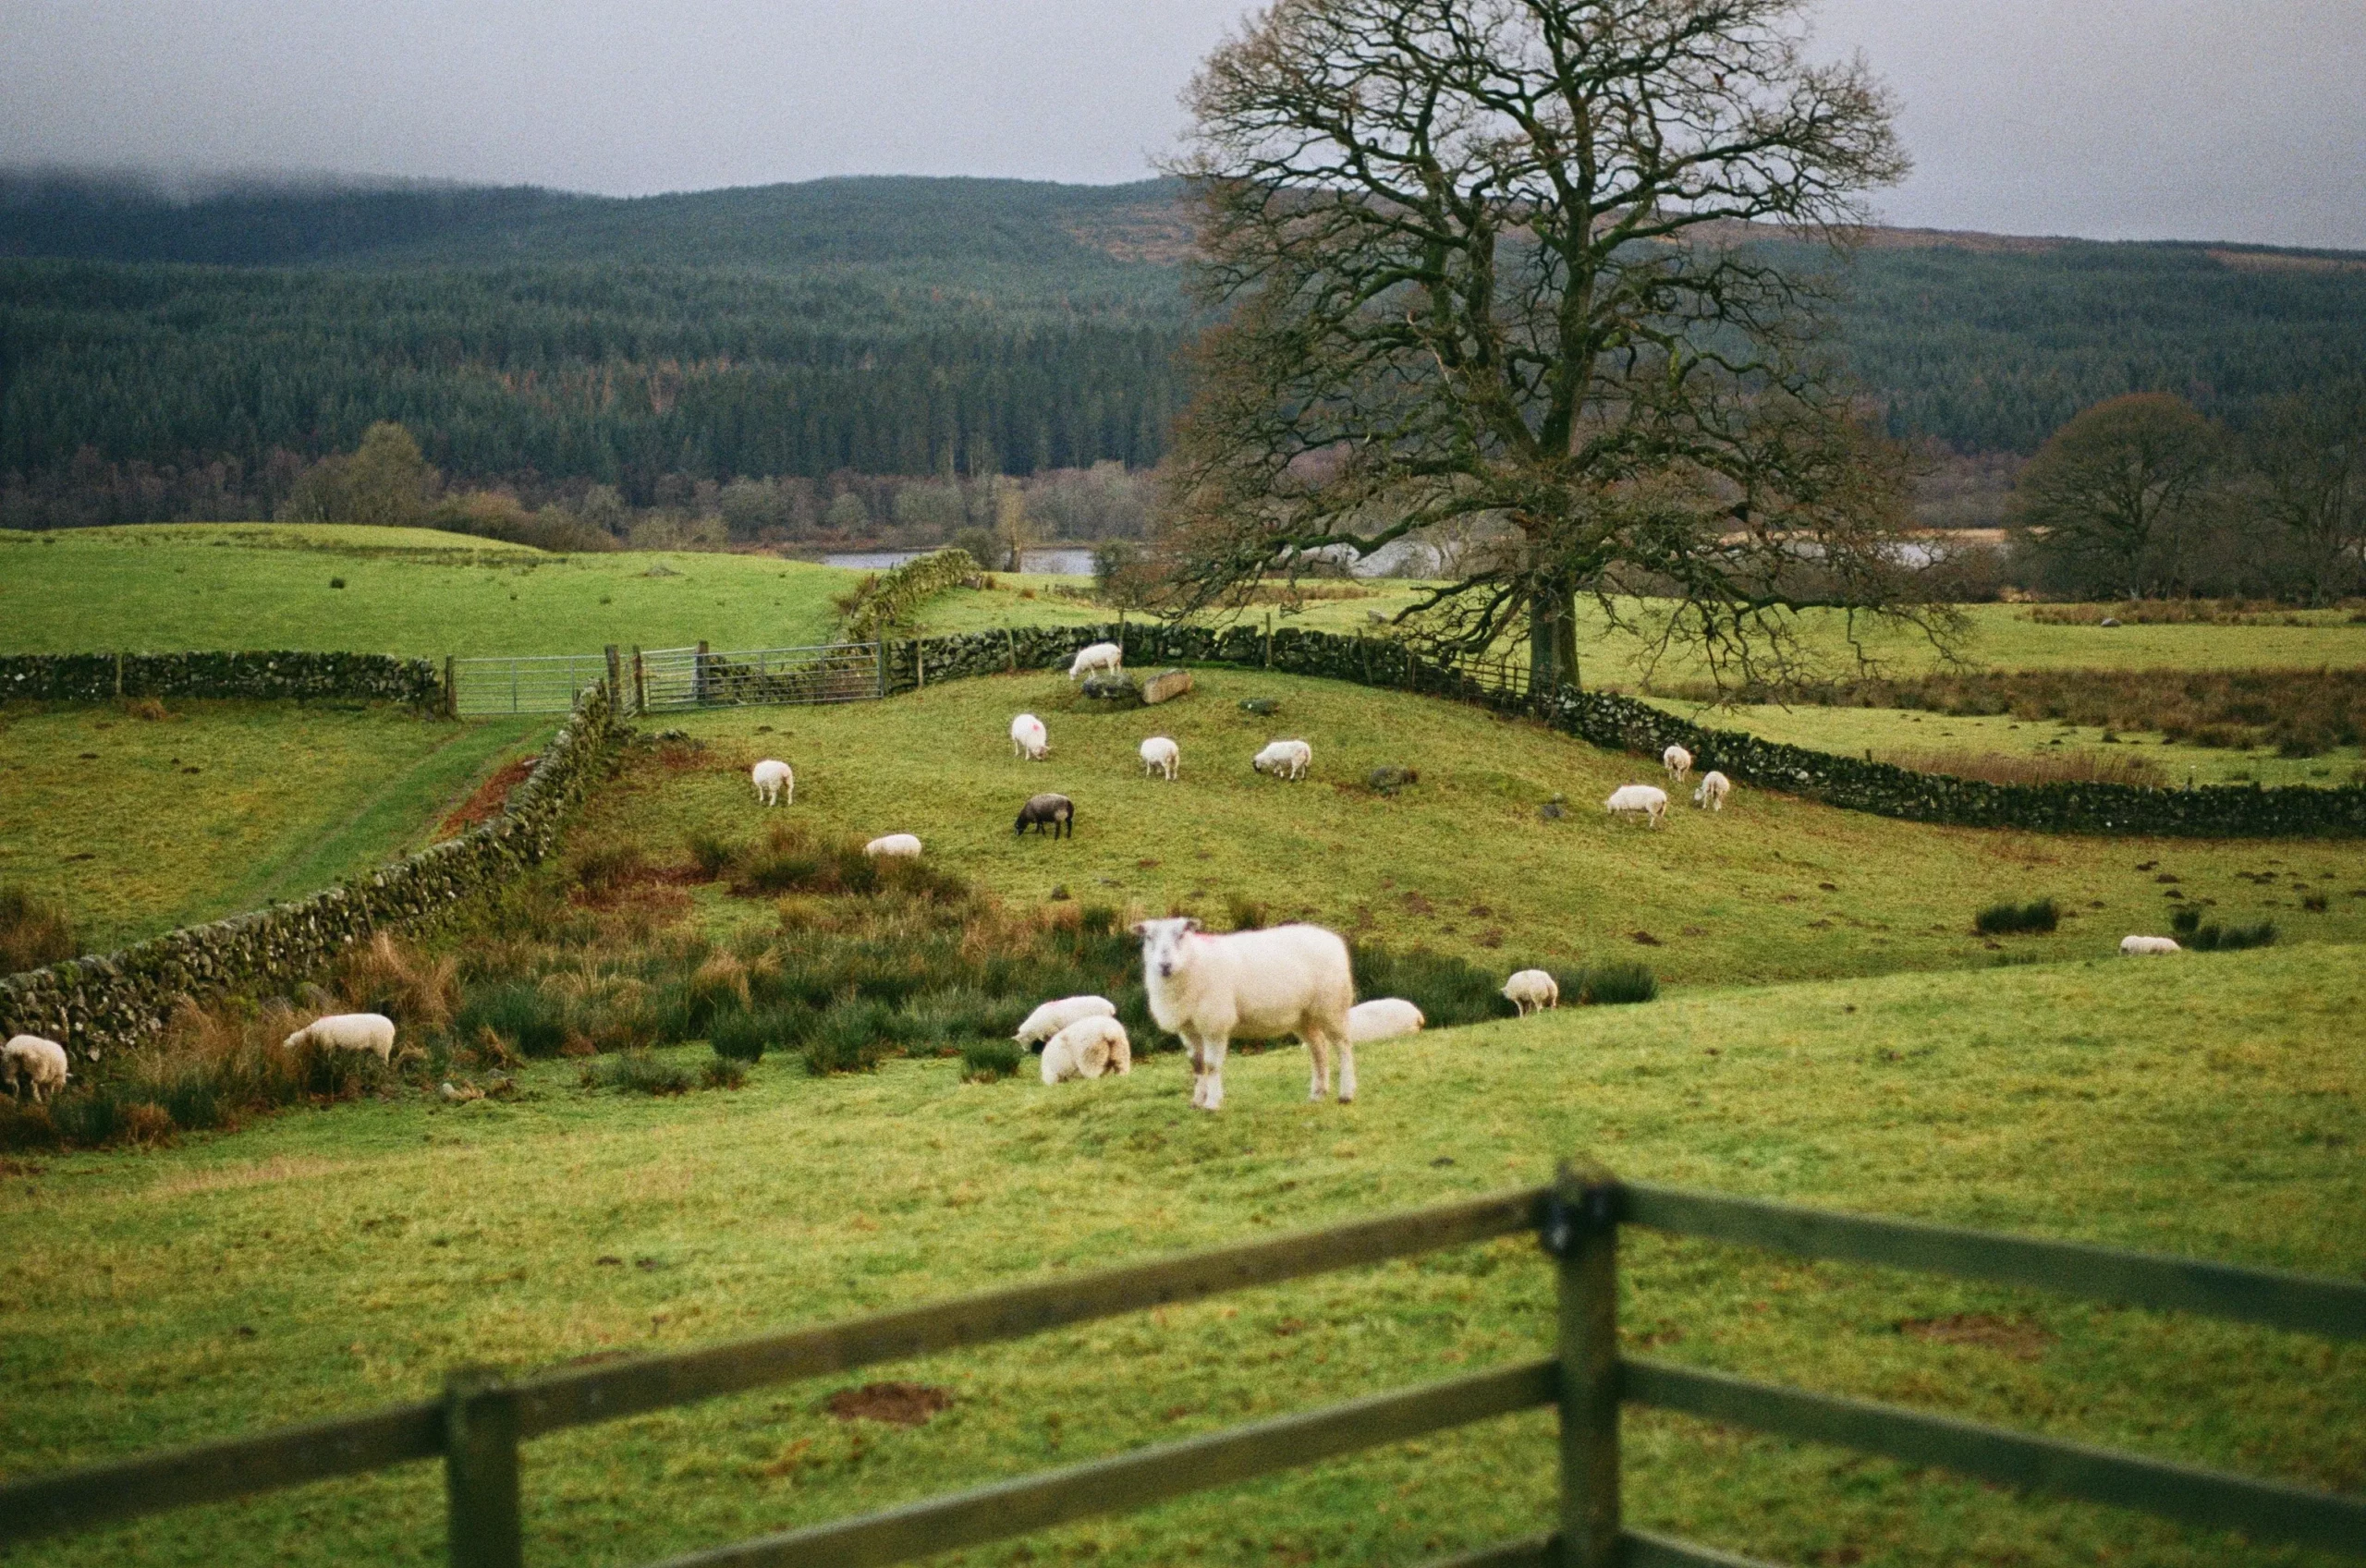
(1552, 811)
(1259, 705)
(2110, 621)
(1388, 780)
(1166, 685)
(661, 570)
(1117, 690)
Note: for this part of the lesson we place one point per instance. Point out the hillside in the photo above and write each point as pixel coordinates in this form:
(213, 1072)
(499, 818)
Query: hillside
(906, 326)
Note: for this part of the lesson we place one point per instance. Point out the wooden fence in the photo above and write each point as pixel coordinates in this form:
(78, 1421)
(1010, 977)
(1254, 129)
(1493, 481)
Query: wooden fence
(478, 1424)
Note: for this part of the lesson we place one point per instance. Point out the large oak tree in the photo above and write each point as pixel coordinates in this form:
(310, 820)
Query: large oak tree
(1497, 268)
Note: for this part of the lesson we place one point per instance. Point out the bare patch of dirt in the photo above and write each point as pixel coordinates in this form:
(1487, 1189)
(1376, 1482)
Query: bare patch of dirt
(900, 1405)
(489, 798)
(2015, 1337)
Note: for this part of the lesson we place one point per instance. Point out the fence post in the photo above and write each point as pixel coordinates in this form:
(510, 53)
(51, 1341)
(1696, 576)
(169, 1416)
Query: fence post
(615, 673)
(640, 683)
(1580, 1230)
(697, 675)
(480, 1470)
(883, 660)
(451, 690)
(1269, 640)
(118, 675)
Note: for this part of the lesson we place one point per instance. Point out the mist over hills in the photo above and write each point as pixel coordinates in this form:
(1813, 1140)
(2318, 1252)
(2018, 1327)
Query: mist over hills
(902, 326)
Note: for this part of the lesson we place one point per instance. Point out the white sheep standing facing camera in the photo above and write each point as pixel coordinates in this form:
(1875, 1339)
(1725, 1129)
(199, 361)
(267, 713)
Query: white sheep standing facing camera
(775, 783)
(1714, 788)
(1678, 762)
(1256, 985)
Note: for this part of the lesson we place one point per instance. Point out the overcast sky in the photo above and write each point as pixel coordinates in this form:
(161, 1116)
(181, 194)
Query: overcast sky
(2196, 120)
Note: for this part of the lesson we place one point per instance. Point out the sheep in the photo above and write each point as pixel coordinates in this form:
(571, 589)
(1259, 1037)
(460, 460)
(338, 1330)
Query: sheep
(1285, 758)
(1532, 990)
(1057, 811)
(1258, 985)
(1099, 656)
(2139, 946)
(1678, 762)
(775, 784)
(31, 1062)
(1383, 1019)
(1646, 799)
(1714, 788)
(372, 1032)
(1028, 738)
(1054, 1017)
(894, 846)
(1087, 1049)
(1159, 755)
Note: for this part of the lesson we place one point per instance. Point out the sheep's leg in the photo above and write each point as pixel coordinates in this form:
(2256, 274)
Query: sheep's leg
(1347, 1071)
(1318, 1058)
(1214, 1050)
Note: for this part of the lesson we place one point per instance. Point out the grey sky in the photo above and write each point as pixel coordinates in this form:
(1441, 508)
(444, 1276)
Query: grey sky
(2207, 119)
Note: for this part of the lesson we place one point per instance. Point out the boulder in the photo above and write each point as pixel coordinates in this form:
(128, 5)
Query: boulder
(1116, 689)
(1389, 780)
(1260, 705)
(1166, 685)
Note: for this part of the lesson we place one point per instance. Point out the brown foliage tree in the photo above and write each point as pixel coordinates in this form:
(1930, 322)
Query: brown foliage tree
(2117, 494)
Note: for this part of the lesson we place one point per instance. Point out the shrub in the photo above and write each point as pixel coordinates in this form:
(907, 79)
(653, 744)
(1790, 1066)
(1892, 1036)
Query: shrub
(605, 868)
(636, 1072)
(34, 932)
(2214, 937)
(1448, 990)
(1612, 985)
(984, 1061)
(389, 977)
(710, 853)
(850, 1037)
(525, 1019)
(722, 1072)
(1999, 919)
(744, 1035)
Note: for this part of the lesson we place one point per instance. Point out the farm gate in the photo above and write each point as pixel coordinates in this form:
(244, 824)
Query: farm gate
(479, 1425)
(661, 680)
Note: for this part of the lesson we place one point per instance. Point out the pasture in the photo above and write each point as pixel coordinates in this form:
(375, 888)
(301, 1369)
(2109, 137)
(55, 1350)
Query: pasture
(407, 591)
(328, 1261)
(141, 818)
(1462, 862)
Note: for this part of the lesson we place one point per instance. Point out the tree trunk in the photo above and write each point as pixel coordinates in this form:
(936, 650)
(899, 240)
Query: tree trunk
(1552, 641)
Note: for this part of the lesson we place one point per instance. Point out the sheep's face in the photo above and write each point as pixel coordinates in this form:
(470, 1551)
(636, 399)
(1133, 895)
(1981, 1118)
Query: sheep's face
(1163, 945)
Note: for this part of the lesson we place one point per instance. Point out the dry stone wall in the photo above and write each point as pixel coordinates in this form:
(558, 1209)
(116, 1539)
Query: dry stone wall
(96, 678)
(1624, 723)
(97, 1004)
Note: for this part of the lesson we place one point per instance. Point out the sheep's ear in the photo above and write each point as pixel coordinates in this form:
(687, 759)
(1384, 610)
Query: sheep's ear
(1190, 922)
(1141, 927)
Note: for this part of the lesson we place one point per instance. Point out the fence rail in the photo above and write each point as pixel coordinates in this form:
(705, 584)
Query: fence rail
(478, 1426)
(674, 679)
(527, 684)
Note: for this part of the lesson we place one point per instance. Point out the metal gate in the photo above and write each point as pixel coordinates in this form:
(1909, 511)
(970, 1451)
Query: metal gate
(666, 679)
(544, 684)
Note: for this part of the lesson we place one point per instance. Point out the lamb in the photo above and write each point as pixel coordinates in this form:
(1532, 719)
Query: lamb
(1532, 990)
(1383, 1019)
(1099, 656)
(1648, 800)
(1028, 738)
(894, 846)
(1285, 758)
(1087, 1049)
(1159, 755)
(1714, 788)
(775, 784)
(1054, 1017)
(31, 1062)
(1057, 811)
(2141, 946)
(1258, 985)
(1678, 761)
(373, 1032)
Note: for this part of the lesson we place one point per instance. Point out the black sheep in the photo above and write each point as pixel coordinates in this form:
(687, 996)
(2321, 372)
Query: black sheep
(1057, 810)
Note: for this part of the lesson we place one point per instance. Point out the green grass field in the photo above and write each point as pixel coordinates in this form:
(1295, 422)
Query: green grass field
(407, 591)
(138, 825)
(326, 1262)
(1772, 888)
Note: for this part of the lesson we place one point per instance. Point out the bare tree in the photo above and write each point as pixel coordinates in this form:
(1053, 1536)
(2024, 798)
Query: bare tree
(1495, 260)
(2115, 494)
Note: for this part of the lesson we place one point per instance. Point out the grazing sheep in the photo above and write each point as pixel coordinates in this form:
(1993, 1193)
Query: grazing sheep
(1714, 788)
(373, 1032)
(1087, 1049)
(1383, 1019)
(2137, 946)
(29, 1060)
(1647, 800)
(894, 846)
(776, 785)
(1099, 656)
(1055, 811)
(1678, 762)
(1256, 985)
(1532, 990)
(1285, 758)
(1161, 755)
(1054, 1017)
(1028, 738)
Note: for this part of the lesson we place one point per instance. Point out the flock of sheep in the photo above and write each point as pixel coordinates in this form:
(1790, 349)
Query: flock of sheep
(1650, 801)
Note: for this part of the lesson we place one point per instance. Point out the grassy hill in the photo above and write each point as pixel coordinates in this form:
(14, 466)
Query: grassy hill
(324, 1263)
(1462, 862)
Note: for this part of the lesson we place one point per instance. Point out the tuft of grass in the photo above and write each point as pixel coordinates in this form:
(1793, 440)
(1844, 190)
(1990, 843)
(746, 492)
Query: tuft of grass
(850, 1037)
(2007, 917)
(636, 1072)
(1616, 985)
(744, 1035)
(34, 932)
(2201, 936)
(984, 1061)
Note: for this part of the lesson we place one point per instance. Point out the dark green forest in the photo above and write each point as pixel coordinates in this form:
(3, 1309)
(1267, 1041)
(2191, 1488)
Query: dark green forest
(184, 358)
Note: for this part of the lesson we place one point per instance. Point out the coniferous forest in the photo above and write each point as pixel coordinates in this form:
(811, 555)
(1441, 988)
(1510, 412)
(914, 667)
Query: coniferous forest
(188, 358)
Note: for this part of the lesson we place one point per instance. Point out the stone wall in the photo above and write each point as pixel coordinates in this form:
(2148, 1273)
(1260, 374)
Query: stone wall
(96, 678)
(1625, 725)
(96, 1005)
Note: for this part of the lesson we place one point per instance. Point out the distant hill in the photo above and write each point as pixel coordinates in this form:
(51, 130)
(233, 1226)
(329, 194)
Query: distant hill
(906, 325)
